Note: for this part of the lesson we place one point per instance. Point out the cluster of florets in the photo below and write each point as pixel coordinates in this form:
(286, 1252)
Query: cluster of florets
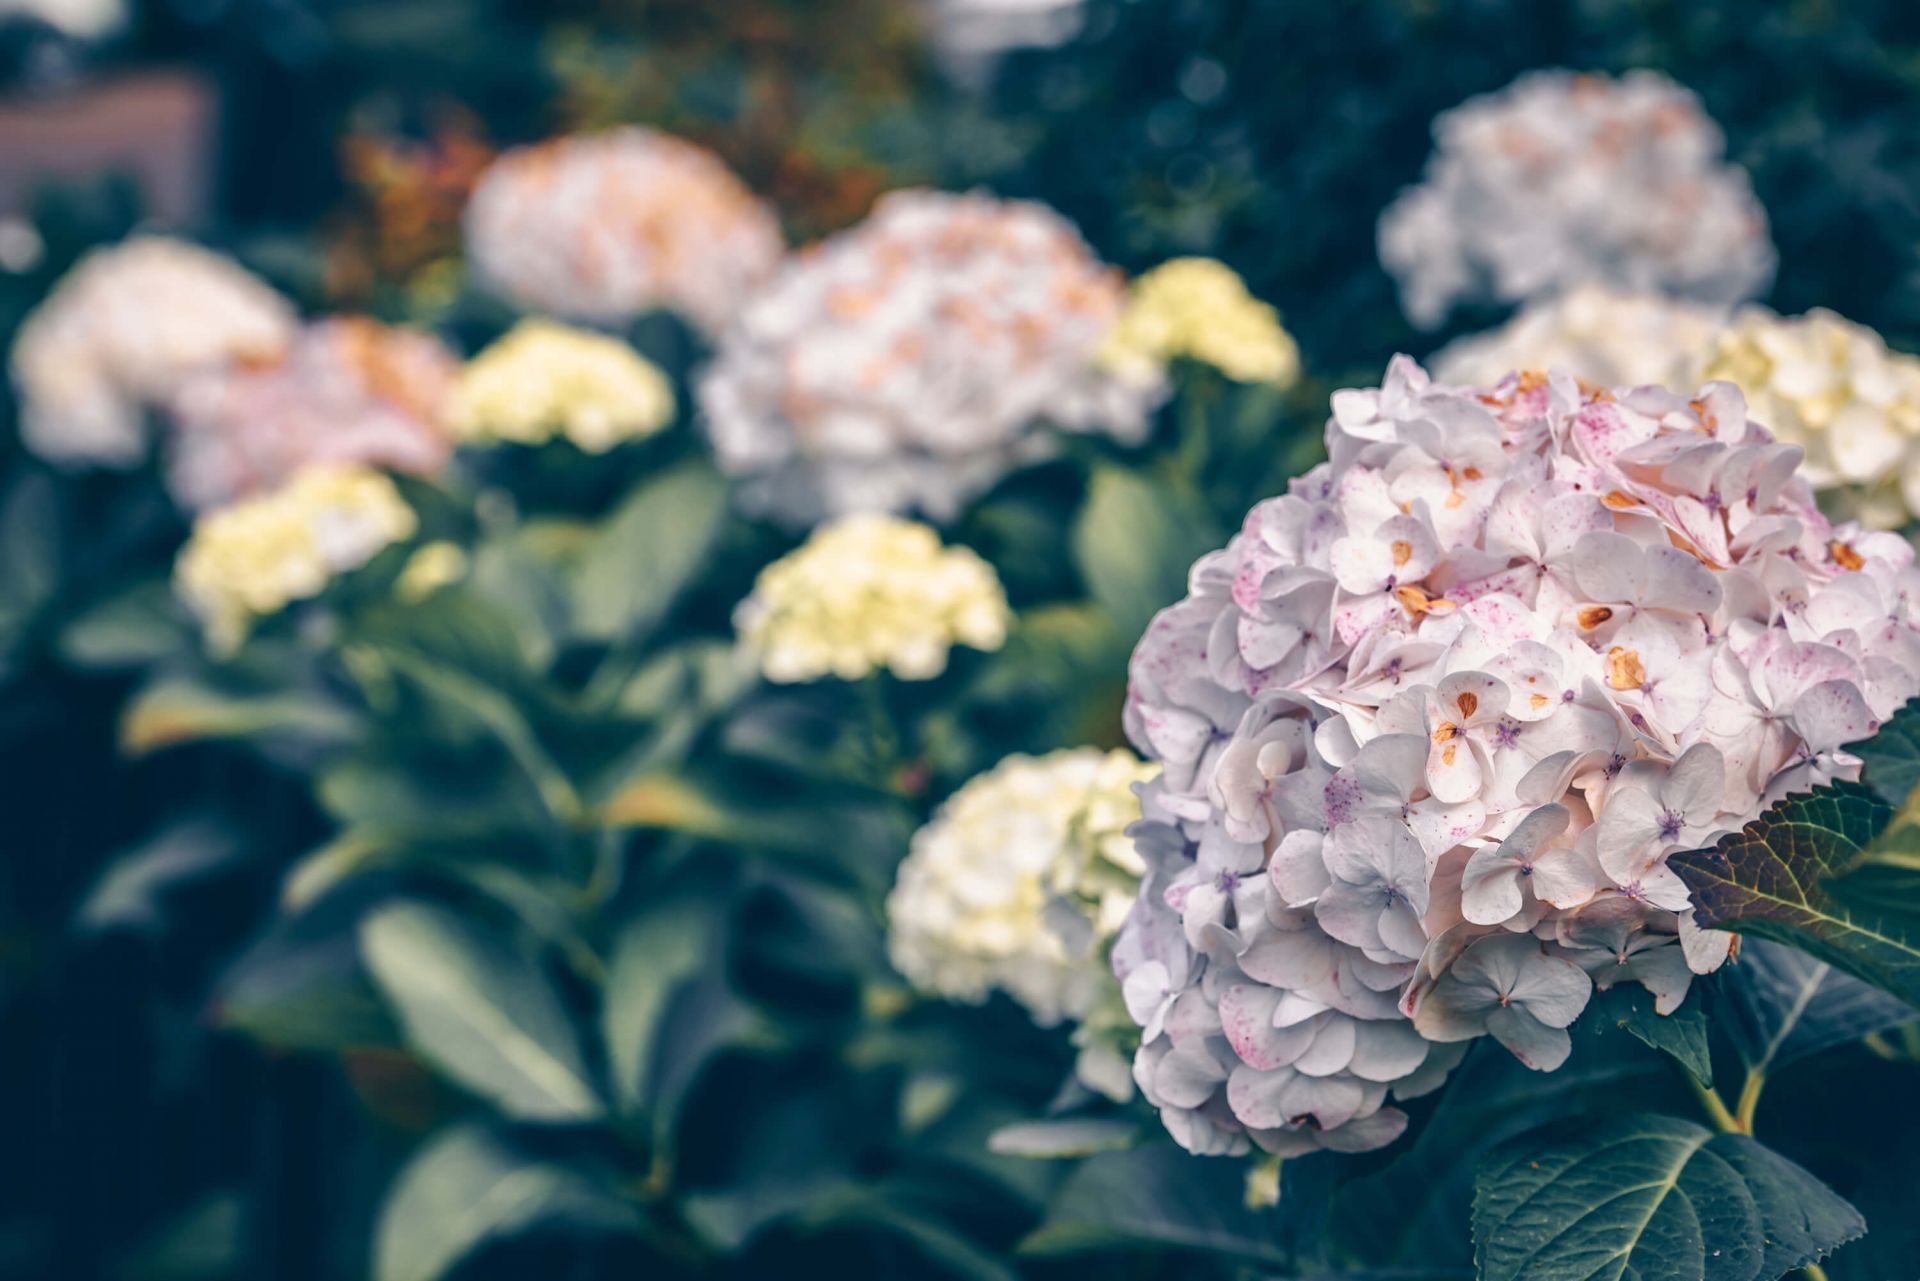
(119, 334)
(1019, 883)
(1020, 880)
(605, 227)
(910, 362)
(1564, 179)
(347, 390)
(1612, 337)
(257, 556)
(1833, 388)
(871, 592)
(1199, 309)
(545, 380)
(1434, 721)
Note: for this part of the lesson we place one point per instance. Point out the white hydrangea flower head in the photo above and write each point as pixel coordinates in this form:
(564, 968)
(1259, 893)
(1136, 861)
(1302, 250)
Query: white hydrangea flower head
(1433, 722)
(118, 335)
(347, 390)
(1563, 179)
(544, 381)
(603, 227)
(871, 592)
(1833, 388)
(912, 361)
(1199, 309)
(1020, 882)
(1610, 337)
(256, 557)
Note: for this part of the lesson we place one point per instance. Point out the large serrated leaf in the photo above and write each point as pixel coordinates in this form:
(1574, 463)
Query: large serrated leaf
(1786, 1005)
(1651, 1198)
(1890, 760)
(1802, 874)
(466, 1188)
(1683, 1033)
(480, 1012)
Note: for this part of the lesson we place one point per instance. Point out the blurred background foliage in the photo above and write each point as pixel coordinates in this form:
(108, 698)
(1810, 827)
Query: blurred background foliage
(191, 1095)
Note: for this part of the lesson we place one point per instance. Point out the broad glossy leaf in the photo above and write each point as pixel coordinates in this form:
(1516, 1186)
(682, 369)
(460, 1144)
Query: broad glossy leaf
(1650, 1198)
(1157, 1195)
(301, 986)
(1890, 760)
(1134, 541)
(1082, 1136)
(1414, 1212)
(1802, 874)
(1683, 1033)
(129, 893)
(480, 1011)
(655, 953)
(1786, 1005)
(466, 1188)
(648, 550)
(176, 710)
(141, 625)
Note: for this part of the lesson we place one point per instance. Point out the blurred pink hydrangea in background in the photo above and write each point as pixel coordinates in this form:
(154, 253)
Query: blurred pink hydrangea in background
(348, 390)
(604, 227)
(1563, 179)
(912, 361)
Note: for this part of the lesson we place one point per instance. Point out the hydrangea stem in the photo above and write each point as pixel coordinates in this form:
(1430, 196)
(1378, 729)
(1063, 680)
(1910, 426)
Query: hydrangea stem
(1723, 1120)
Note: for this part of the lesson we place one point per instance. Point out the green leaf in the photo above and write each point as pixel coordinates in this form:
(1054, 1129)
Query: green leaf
(129, 893)
(654, 954)
(479, 1011)
(1786, 1005)
(301, 986)
(1412, 1212)
(1890, 760)
(646, 553)
(1683, 1033)
(1159, 1196)
(29, 554)
(467, 1188)
(1081, 1136)
(1802, 874)
(177, 710)
(1650, 1198)
(1134, 541)
(140, 625)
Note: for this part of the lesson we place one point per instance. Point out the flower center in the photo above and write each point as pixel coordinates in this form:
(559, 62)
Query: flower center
(1624, 669)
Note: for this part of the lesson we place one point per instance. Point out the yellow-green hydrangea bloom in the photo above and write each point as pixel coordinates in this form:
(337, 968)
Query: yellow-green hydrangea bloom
(545, 380)
(254, 557)
(1020, 881)
(1835, 389)
(1200, 309)
(868, 592)
(433, 566)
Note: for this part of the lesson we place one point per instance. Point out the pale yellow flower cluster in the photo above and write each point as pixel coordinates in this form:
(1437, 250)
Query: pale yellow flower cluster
(544, 380)
(1200, 309)
(433, 566)
(1020, 881)
(255, 557)
(867, 592)
(1833, 388)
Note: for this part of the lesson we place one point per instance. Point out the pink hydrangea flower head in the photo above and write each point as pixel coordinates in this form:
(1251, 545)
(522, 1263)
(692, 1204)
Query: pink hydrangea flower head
(1433, 722)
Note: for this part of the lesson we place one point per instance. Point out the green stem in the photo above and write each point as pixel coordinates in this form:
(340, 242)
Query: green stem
(1749, 1099)
(1814, 1272)
(1723, 1120)
(883, 742)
